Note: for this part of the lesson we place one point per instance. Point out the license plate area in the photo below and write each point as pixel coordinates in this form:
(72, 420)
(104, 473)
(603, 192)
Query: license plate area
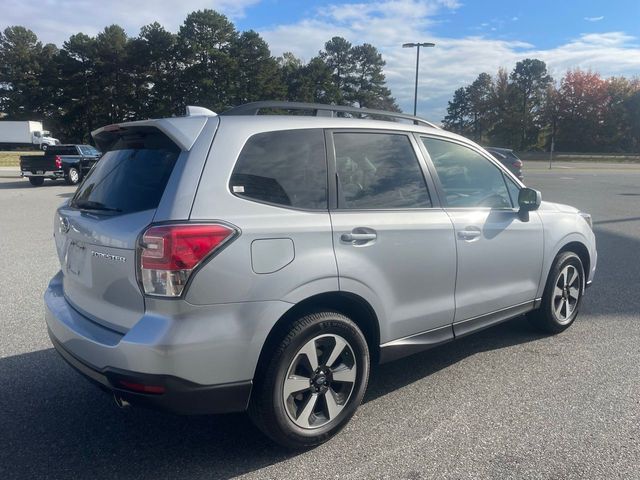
(40, 172)
(76, 255)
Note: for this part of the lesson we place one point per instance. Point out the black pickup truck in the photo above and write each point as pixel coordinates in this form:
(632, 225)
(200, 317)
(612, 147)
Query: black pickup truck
(70, 162)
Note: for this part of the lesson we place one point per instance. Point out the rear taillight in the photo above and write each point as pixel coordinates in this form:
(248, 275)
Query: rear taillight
(58, 162)
(517, 164)
(170, 253)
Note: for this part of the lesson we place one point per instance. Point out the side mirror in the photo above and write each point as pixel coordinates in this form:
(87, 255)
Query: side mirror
(529, 199)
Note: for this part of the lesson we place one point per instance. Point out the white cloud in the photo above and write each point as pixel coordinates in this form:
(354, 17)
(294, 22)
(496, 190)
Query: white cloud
(387, 24)
(56, 20)
(594, 19)
(454, 62)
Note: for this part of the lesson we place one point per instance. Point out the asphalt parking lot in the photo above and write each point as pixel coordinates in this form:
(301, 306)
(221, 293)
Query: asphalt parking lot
(504, 403)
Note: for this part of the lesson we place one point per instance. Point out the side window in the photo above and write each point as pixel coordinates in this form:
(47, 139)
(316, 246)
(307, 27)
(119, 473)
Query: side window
(378, 171)
(287, 168)
(468, 179)
(514, 190)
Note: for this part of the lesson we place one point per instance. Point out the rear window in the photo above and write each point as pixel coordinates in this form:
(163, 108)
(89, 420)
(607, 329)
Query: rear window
(62, 150)
(88, 150)
(287, 168)
(131, 176)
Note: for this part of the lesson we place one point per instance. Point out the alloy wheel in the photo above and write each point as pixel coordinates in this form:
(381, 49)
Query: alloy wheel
(319, 381)
(566, 293)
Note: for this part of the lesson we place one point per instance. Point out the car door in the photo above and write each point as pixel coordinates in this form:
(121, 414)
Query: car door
(87, 158)
(394, 244)
(500, 252)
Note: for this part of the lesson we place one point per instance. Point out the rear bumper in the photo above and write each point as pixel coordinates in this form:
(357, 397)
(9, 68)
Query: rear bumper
(45, 173)
(203, 357)
(179, 396)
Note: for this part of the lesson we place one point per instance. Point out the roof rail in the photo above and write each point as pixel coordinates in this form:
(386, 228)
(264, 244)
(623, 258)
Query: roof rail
(322, 110)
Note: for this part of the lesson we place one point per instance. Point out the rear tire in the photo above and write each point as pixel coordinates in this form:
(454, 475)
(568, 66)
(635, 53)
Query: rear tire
(562, 295)
(73, 176)
(311, 384)
(36, 181)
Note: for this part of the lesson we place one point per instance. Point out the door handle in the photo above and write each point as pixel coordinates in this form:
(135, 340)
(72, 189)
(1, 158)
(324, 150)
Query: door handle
(357, 237)
(469, 234)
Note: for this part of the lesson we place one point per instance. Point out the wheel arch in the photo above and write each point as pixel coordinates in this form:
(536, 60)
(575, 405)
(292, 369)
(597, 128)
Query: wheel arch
(349, 304)
(582, 251)
(571, 243)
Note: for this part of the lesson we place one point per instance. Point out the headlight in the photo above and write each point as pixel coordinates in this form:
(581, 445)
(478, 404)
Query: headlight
(587, 218)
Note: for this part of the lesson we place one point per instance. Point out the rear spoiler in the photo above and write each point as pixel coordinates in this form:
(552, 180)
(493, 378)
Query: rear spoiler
(183, 131)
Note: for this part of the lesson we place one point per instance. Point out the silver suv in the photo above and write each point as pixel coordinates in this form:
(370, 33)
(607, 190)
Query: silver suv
(221, 263)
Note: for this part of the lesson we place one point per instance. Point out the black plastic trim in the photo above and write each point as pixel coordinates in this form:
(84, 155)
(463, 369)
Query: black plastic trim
(420, 342)
(475, 324)
(181, 396)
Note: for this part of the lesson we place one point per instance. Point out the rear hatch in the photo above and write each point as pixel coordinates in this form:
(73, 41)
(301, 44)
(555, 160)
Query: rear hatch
(97, 231)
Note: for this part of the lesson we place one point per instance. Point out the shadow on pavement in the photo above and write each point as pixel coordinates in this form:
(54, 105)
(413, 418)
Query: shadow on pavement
(58, 424)
(617, 281)
(24, 183)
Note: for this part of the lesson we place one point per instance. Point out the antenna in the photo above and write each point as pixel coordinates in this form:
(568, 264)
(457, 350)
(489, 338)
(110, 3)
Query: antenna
(194, 111)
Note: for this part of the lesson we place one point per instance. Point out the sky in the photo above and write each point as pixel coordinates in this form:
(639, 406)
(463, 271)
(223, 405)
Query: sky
(471, 36)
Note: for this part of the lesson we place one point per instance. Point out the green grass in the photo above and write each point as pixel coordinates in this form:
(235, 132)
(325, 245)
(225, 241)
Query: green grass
(12, 159)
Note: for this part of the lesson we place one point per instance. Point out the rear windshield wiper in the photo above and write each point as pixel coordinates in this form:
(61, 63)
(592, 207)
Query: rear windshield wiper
(90, 205)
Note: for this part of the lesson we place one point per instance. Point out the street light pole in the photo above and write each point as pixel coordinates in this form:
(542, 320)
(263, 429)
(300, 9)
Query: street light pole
(411, 45)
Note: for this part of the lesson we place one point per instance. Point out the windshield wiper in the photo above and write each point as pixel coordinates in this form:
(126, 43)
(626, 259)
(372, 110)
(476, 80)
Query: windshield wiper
(90, 205)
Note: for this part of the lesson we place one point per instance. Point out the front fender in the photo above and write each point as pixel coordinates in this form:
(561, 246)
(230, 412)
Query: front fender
(557, 241)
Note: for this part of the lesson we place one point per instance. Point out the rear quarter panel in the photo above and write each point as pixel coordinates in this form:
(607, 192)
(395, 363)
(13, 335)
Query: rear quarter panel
(230, 275)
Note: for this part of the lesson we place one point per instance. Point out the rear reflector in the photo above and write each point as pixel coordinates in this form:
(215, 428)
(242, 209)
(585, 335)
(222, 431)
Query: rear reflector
(139, 387)
(169, 253)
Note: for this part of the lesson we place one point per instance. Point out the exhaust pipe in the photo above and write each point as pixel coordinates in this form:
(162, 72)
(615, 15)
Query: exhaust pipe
(121, 402)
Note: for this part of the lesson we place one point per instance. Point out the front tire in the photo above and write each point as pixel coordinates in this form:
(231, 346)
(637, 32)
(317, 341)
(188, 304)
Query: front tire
(562, 295)
(312, 383)
(73, 176)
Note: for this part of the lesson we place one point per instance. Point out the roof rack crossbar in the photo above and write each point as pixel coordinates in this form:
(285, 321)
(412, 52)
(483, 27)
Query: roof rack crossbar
(322, 110)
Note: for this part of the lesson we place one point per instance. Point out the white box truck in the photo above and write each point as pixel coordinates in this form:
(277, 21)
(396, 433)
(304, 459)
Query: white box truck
(24, 134)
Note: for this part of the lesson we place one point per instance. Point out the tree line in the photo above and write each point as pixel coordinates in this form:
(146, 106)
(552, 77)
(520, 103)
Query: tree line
(527, 110)
(92, 81)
